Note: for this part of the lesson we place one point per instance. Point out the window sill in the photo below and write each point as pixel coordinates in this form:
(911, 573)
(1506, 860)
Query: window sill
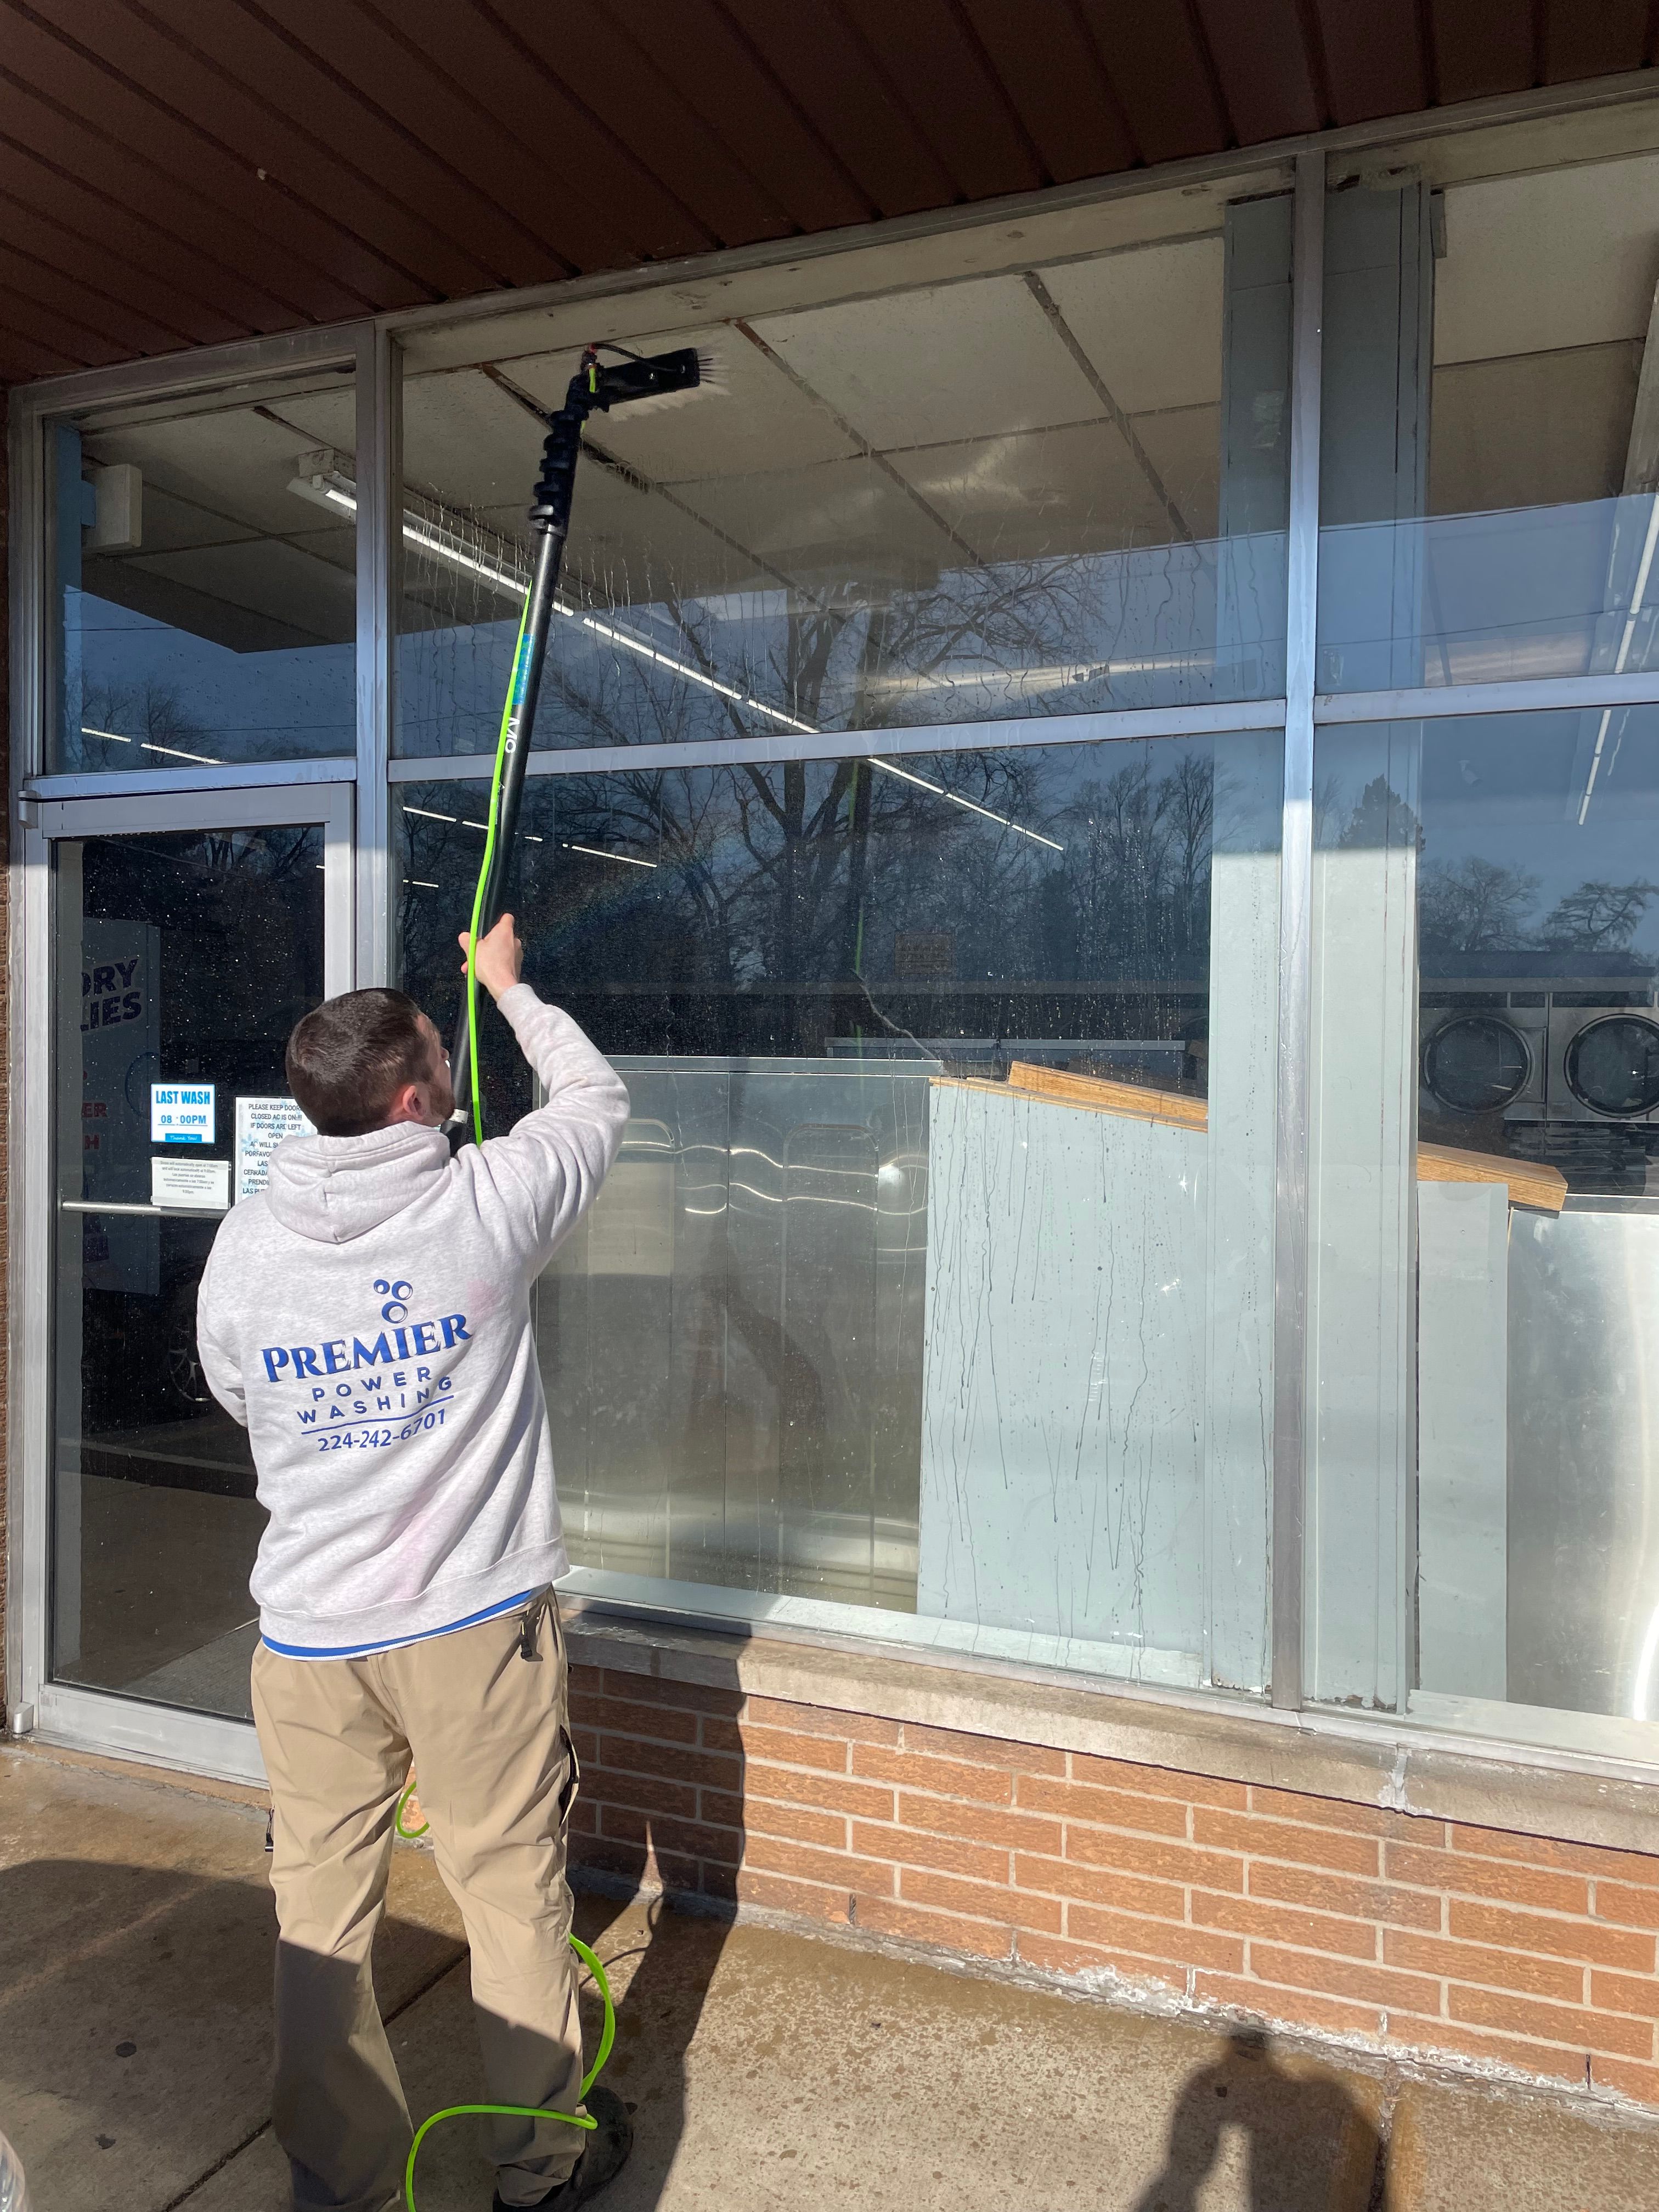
(1373, 1760)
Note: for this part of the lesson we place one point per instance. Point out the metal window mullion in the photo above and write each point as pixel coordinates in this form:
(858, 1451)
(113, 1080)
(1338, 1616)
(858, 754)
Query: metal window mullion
(379, 544)
(1291, 1217)
(1124, 725)
(1520, 694)
(28, 1169)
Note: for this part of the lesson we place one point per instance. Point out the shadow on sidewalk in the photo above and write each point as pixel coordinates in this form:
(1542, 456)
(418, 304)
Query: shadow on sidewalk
(656, 1876)
(136, 2019)
(1310, 2147)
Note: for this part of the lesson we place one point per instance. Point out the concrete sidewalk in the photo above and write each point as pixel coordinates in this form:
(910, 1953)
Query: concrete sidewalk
(768, 2069)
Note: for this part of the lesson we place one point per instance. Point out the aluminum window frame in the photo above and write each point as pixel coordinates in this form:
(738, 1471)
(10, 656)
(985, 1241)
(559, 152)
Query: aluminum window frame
(96, 1719)
(373, 349)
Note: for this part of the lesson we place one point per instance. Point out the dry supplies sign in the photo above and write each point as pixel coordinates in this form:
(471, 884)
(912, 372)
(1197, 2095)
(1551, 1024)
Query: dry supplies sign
(262, 1124)
(181, 1113)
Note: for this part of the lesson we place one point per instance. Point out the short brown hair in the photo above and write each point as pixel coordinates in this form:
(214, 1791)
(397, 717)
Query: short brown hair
(348, 1059)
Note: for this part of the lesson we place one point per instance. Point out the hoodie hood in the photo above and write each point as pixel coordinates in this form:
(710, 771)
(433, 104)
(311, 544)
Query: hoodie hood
(333, 1189)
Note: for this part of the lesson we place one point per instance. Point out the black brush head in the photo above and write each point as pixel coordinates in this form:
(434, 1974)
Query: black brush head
(663, 376)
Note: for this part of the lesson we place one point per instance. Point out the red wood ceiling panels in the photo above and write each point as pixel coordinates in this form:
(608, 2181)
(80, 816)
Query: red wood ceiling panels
(178, 171)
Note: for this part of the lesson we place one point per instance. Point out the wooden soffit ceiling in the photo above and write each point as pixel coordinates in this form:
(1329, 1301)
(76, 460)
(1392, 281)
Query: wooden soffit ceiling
(179, 172)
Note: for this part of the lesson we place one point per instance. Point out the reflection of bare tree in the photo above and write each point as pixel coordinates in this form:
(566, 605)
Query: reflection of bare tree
(1065, 632)
(1473, 905)
(1137, 871)
(841, 897)
(1598, 917)
(116, 725)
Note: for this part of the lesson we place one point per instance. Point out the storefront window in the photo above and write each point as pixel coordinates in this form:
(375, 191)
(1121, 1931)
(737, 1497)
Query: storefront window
(1490, 433)
(1485, 1292)
(936, 1274)
(204, 588)
(1049, 489)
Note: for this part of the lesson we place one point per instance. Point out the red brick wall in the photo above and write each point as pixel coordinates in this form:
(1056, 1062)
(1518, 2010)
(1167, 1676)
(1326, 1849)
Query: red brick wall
(1308, 1911)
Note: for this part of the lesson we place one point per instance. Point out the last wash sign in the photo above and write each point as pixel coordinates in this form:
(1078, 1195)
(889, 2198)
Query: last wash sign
(181, 1113)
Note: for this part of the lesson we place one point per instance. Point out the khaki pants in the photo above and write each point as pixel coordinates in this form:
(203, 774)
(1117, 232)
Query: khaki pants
(488, 1734)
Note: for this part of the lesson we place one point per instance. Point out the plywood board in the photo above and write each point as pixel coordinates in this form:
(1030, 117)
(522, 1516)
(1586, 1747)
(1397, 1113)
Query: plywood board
(1100, 1095)
(1529, 1183)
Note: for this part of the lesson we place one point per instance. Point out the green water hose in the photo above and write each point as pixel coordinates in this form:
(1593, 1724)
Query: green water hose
(607, 2037)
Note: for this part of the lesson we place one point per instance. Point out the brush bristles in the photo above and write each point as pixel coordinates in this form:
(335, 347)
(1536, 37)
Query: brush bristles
(709, 378)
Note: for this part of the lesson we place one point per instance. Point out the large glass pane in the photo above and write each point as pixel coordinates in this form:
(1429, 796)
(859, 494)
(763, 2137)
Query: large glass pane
(183, 959)
(1485, 1255)
(1490, 438)
(204, 582)
(936, 1274)
(1052, 486)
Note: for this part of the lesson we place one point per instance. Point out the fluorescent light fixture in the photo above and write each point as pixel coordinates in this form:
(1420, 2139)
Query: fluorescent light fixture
(1644, 570)
(144, 745)
(426, 814)
(627, 859)
(419, 884)
(321, 480)
(891, 768)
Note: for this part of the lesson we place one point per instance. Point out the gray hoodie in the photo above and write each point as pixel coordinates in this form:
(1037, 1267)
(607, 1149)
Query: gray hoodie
(368, 1320)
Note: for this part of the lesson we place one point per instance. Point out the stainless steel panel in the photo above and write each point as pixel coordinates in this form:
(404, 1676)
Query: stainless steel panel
(1583, 1462)
(732, 1342)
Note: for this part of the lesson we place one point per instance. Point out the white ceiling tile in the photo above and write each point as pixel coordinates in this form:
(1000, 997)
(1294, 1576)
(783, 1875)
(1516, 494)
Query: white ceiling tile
(1563, 257)
(1534, 430)
(1184, 447)
(469, 441)
(1041, 493)
(1150, 321)
(840, 521)
(955, 360)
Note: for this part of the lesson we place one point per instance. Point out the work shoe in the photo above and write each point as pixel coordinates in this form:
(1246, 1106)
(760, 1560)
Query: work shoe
(600, 2163)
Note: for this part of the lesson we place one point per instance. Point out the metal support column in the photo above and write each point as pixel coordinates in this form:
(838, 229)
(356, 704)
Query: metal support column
(380, 551)
(1296, 874)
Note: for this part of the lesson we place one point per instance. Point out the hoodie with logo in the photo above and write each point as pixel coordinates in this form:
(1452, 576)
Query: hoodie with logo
(368, 1320)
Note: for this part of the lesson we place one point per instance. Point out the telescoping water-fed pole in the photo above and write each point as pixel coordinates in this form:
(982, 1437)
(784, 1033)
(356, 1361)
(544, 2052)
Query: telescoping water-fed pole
(595, 388)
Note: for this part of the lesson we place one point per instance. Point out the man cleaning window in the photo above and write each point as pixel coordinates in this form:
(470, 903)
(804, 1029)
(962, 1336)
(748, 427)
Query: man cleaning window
(368, 1320)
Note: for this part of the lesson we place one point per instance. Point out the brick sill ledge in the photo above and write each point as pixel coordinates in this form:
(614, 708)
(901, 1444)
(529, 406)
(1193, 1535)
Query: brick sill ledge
(1522, 1789)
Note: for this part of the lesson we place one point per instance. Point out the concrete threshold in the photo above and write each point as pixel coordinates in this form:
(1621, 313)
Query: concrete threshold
(769, 2069)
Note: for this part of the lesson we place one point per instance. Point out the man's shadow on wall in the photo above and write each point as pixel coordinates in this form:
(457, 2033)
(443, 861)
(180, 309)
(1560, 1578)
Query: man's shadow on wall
(681, 1837)
(1310, 2147)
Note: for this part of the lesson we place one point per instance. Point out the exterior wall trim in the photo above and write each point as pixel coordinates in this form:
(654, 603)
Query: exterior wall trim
(1524, 1791)
(1534, 105)
(200, 367)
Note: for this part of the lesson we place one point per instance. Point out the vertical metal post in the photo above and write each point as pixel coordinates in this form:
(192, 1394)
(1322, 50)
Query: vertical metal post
(379, 554)
(1290, 1390)
(29, 1333)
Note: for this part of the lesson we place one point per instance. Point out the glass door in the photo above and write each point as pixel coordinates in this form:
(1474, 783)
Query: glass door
(188, 935)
